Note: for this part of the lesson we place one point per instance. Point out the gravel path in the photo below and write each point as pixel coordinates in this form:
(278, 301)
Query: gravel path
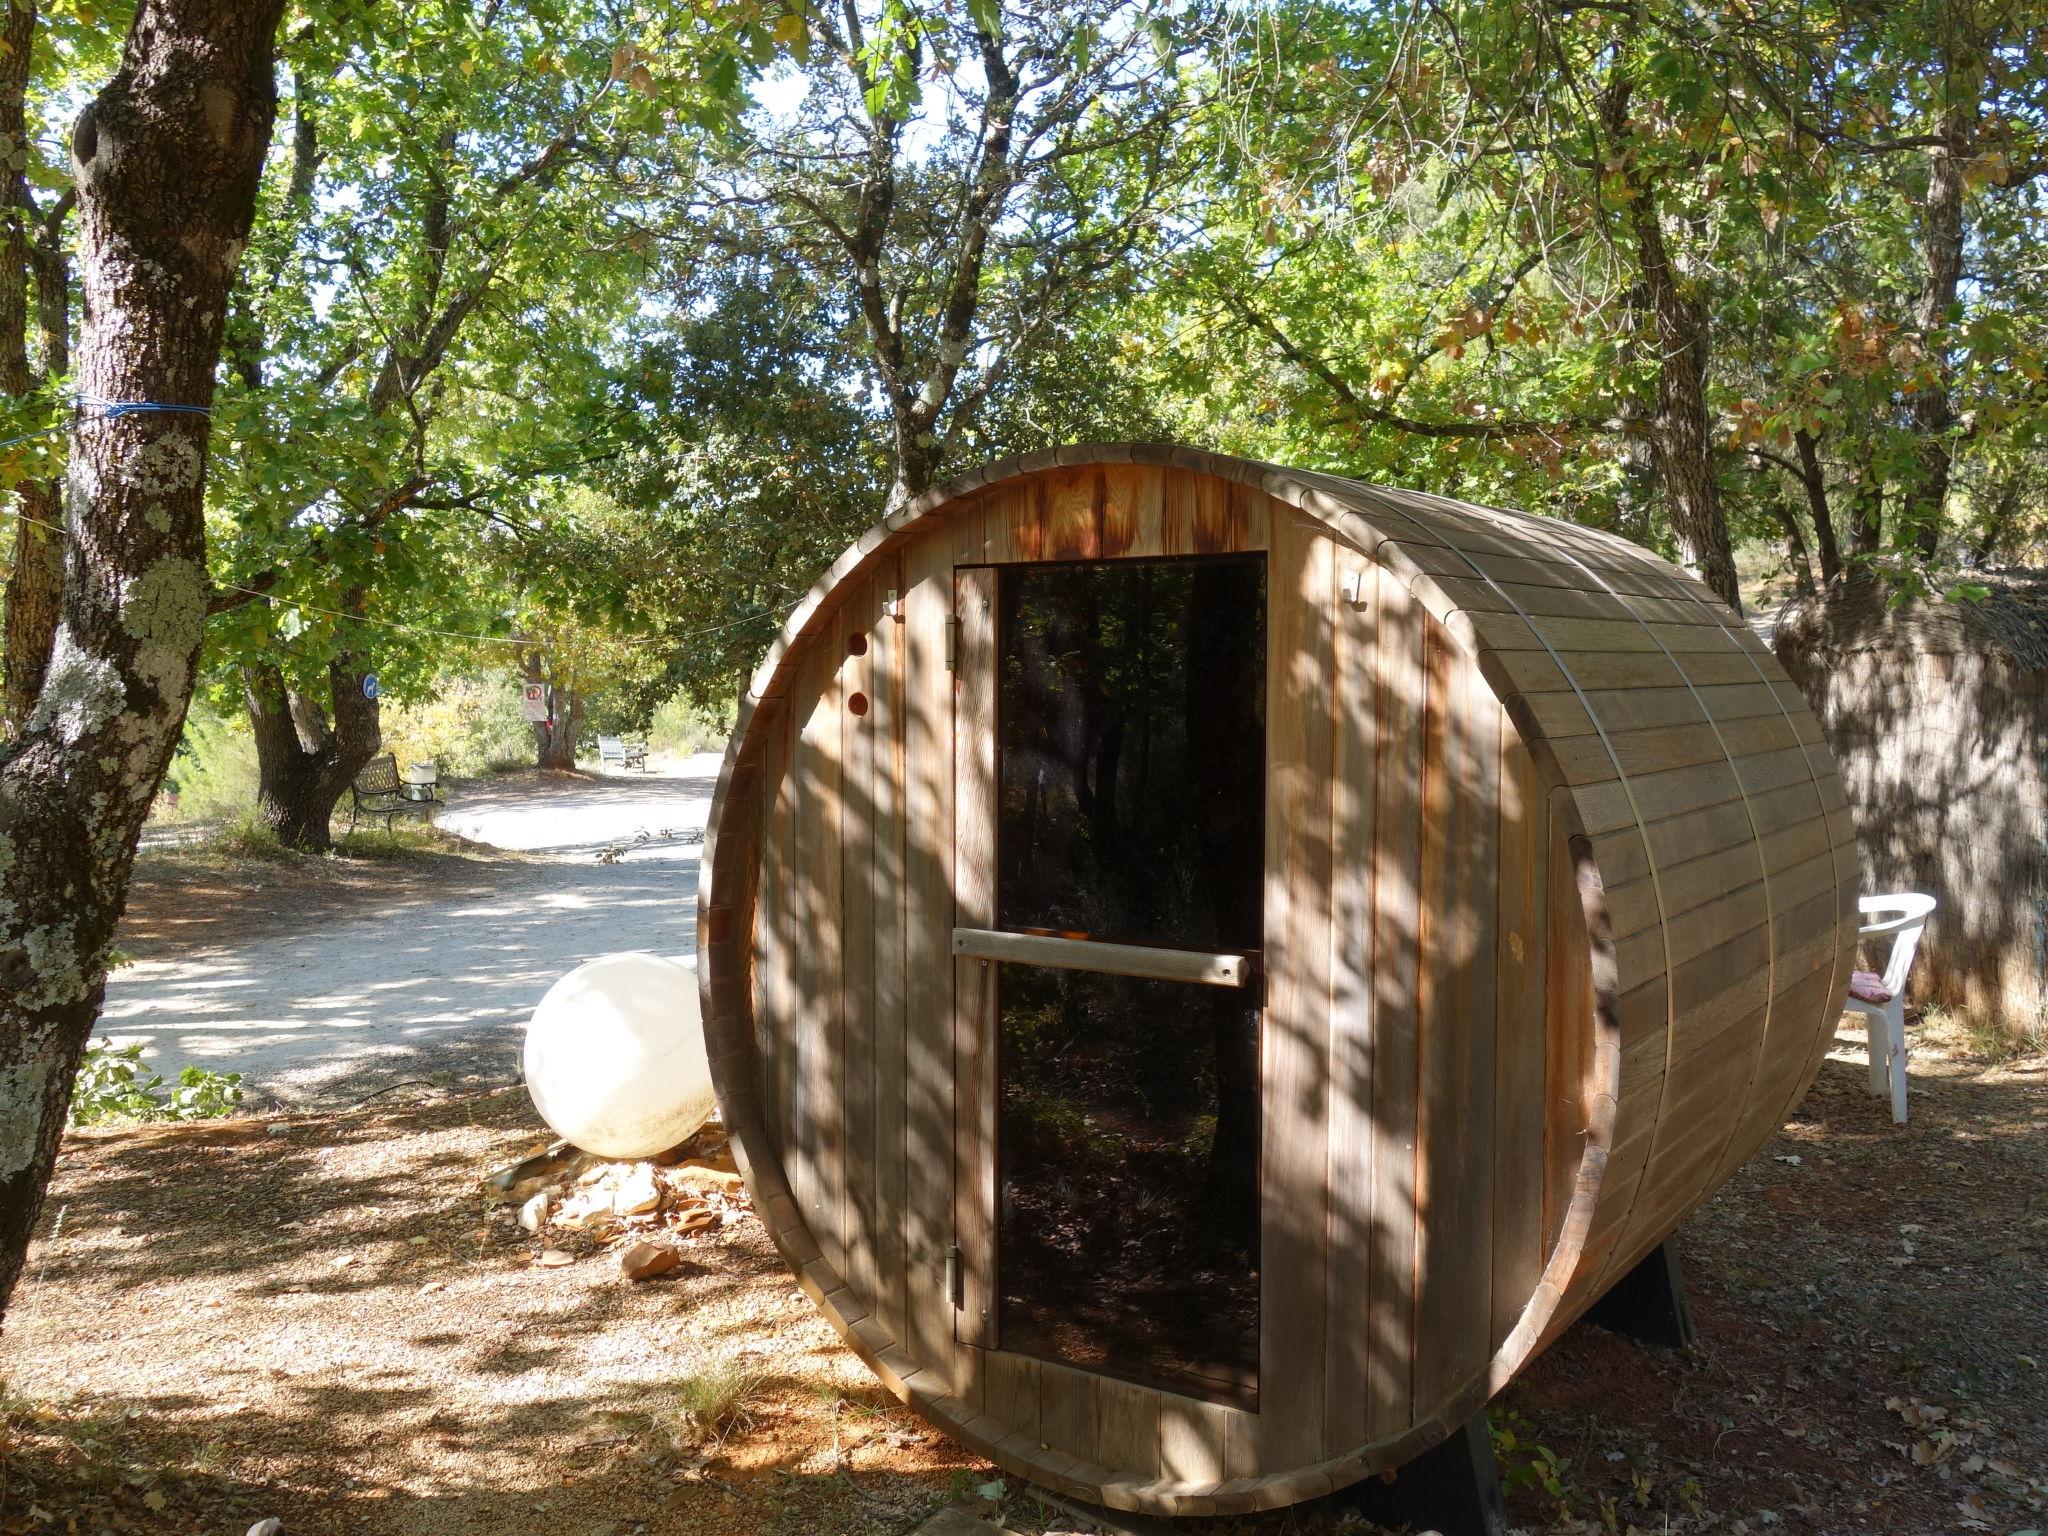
(319, 1001)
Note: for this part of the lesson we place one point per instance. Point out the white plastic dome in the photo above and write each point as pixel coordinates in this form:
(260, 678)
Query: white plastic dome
(615, 1057)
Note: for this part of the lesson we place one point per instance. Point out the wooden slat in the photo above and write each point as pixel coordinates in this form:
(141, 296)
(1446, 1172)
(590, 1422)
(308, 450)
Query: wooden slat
(974, 980)
(1521, 1148)
(1294, 1086)
(817, 1117)
(1131, 510)
(928, 965)
(1199, 967)
(1454, 1291)
(771, 988)
(1569, 1055)
(1191, 1441)
(886, 650)
(857, 1005)
(1127, 1427)
(1353, 798)
(1073, 514)
(1397, 851)
(1067, 1411)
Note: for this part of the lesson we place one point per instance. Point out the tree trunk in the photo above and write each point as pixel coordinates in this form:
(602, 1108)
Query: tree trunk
(1816, 483)
(35, 587)
(1866, 512)
(554, 739)
(35, 592)
(166, 160)
(1925, 500)
(1796, 554)
(1682, 436)
(304, 764)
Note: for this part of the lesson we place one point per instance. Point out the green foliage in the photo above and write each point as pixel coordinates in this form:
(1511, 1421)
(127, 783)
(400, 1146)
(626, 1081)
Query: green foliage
(113, 1084)
(468, 724)
(680, 728)
(213, 774)
(1527, 1465)
(246, 835)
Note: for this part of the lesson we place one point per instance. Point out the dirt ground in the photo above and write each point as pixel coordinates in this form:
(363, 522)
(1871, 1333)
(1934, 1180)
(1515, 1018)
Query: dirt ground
(321, 1319)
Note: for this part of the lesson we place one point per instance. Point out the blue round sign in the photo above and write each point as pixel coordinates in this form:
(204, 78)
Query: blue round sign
(369, 685)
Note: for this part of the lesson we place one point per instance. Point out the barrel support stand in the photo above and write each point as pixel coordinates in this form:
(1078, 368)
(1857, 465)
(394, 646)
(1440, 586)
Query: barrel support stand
(1648, 1304)
(1454, 1488)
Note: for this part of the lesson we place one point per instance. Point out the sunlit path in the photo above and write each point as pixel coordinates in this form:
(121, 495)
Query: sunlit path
(316, 1007)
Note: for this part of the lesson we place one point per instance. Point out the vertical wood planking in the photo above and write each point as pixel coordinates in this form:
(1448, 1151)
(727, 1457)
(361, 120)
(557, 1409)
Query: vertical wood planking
(1073, 514)
(1067, 1410)
(1295, 1034)
(1353, 796)
(816, 1118)
(771, 928)
(1454, 1290)
(974, 981)
(1397, 838)
(1013, 522)
(886, 650)
(1568, 1022)
(1127, 1427)
(1129, 525)
(1521, 1038)
(928, 955)
(859, 826)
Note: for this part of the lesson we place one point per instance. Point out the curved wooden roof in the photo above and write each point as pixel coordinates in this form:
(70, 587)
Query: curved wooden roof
(1722, 893)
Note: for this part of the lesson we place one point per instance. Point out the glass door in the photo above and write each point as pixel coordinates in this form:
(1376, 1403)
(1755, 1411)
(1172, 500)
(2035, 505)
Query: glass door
(1124, 995)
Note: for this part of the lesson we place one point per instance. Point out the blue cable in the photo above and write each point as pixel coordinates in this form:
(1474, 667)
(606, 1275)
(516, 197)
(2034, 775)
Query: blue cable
(108, 410)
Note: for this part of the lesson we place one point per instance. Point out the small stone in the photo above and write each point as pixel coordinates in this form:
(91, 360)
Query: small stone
(534, 1214)
(270, 1527)
(277, 1128)
(637, 1192)
(643, 1261)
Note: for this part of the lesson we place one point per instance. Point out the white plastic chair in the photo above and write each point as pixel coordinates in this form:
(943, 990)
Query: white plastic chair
(1886, 1021)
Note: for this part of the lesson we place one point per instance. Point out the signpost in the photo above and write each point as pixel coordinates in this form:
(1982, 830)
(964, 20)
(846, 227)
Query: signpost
(534, 704)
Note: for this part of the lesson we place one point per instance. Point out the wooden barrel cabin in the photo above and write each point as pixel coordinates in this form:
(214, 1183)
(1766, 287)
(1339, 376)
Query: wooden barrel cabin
(1210, 967)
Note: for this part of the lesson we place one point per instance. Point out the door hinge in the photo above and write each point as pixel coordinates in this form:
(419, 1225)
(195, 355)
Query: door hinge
(953, 643)
(955, 1290)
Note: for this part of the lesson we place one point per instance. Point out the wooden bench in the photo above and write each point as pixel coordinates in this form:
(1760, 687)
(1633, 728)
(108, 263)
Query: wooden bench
(627, 754)
(378, 791)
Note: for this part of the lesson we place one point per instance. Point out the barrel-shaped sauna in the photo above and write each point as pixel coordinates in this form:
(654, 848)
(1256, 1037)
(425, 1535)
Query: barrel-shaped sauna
(1210, 967)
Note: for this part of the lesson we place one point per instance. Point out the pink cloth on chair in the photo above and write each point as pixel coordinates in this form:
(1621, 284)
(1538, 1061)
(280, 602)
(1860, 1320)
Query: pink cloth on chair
(1868, 986)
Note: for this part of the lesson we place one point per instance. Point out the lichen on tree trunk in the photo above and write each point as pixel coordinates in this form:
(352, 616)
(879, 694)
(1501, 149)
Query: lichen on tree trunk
(166, 160)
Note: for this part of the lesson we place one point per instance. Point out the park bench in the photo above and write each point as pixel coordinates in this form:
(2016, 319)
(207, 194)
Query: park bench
(627, 754)
(378, 791)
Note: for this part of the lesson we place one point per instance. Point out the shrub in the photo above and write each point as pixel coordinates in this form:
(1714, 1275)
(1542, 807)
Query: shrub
(114, 1084)
(715, 1402)
(213, 775)
(470, 726)
(680, 728)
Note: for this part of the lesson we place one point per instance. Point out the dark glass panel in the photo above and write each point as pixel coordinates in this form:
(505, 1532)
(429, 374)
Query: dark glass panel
(1131, 717)
(1128, 1206)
